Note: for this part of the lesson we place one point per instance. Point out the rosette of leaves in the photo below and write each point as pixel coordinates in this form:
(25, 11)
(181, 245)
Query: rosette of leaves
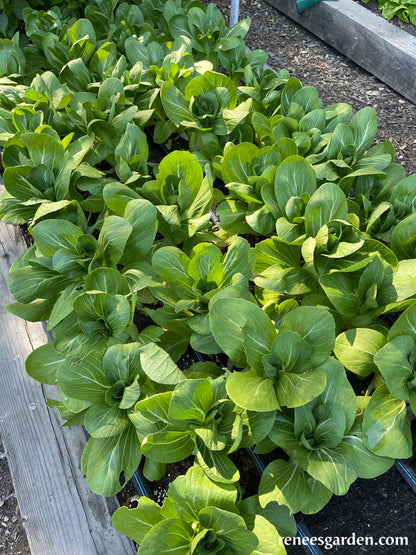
(200, 516)
(358, 289)
(344, 154)
(191, 281)
(54, 45)
(326, 446)
(182, 195)
(294, 112)
(26, 107)
(381, 200)
(157, 64)
(104, 389)
(197, 418)
(386, 422)
(114, 19)
(40, 174)
(208, 111)
(205, 26)
(273, 191)
(14, 13)
(64, 262)
(73, 50)
(110, 116)
(362, 292)
(390, 357)
(245, 169)
(264, 87)
(280, 368)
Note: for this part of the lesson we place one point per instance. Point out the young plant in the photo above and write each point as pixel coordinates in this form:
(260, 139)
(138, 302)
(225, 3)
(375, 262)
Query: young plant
(197, 418)
(281, 368)
(207, 109)
(200, 516)
(102, 390)
(182, 196)
(64, 262)
(326, 445)
(40, 174)
(192, 281)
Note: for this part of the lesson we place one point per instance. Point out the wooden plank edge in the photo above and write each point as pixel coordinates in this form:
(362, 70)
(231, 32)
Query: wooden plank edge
(378, 46)
(60, 513)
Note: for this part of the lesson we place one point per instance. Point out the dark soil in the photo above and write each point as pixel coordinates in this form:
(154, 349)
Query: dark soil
(158, 490)
(12, 535)
(383, 506)
(249, 475)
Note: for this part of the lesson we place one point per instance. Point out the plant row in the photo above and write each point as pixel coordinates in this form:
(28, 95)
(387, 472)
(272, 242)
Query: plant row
(127, 135)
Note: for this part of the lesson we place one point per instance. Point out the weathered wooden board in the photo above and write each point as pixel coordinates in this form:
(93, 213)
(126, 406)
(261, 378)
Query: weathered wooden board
(378, 46)
(61, 515)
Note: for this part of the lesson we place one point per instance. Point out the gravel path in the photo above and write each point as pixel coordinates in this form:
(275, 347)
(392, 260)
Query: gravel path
(12, 535)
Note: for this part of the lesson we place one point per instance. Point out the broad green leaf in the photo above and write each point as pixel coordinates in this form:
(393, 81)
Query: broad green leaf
(242, 329)
(44, 150)
(285, 483)
(205, 265)
(104, 459)
(386, 426)
(355, 349)
(175, 105)
(364, 127)
(171, 264)
(269, 540)
(295, 390)
(52, 235)
(159, 366)
(316, 326)
(85, 381)
(331, 468)
(239, 259)
(136, 523)
(142, 216)
(191, 401)
(103, 420)
(43, 363)
(216, 465)
(293, 177)
(113, 238)
(236, 164)
(326, 204)
(166, 537)
(252, 392)
(168, 446)
(194, 492)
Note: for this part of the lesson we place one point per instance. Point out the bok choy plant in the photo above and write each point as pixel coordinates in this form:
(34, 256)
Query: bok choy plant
(191, 281)
(202, 516)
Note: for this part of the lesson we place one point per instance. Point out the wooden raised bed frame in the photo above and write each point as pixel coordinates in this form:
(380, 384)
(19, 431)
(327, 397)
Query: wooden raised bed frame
(375, 44)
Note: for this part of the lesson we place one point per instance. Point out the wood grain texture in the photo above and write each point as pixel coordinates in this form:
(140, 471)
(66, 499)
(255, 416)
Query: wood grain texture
(61, 515)
(378, 46)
